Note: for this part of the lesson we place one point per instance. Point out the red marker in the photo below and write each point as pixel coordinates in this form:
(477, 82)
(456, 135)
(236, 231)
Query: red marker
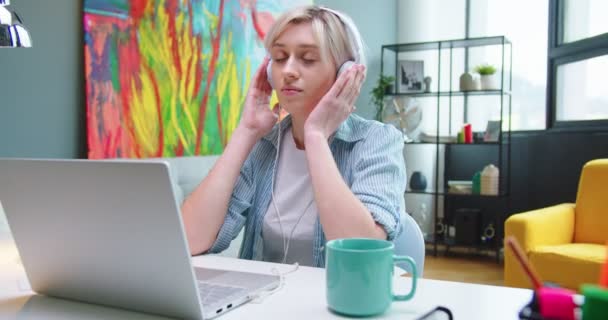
(604, 272)
(554, 303)
(523, 262)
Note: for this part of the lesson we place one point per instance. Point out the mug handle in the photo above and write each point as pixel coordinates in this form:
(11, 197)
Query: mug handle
(411, 262)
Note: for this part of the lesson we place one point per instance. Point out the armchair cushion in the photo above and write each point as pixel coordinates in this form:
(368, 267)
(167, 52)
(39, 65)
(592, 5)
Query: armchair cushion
(569, 265)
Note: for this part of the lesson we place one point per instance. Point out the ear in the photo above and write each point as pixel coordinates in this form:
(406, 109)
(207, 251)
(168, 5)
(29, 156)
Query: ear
(269, 73)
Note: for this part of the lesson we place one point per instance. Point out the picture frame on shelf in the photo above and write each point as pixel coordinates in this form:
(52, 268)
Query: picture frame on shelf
(410, 76)
(492, 131)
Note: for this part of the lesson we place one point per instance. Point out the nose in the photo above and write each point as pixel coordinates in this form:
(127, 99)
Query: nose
(290, 69)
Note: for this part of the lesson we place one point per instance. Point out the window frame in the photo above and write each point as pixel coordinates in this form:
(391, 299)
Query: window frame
(564, 53)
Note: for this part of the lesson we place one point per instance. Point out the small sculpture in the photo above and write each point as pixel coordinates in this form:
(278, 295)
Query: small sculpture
(427, 84)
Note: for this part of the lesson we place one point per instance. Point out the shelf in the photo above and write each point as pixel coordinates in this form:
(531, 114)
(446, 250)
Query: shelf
(447, 44)
(448, 194)
(430, 239)
(429, 192)
(451, 93)
(443, 243)
(478, 246)
(459, 144)
(445, 104)
(489, 250)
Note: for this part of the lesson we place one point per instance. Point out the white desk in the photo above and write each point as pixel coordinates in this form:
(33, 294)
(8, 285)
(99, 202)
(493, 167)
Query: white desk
(302, 297)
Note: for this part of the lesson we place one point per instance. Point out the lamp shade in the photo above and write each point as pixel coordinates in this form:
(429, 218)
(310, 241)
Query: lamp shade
(6, 17)
(14, 36)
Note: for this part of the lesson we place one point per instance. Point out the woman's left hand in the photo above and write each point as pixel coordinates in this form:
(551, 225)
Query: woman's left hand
(337, 104)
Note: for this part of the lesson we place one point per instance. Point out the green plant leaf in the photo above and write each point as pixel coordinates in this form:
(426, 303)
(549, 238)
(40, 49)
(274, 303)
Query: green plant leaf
(379, 91)
(485, 69)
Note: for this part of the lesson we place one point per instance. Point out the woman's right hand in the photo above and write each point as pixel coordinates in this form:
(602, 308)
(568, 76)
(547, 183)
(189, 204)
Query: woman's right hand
(257, 117)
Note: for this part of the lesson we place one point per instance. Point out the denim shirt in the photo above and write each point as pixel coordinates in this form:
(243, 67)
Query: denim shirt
(369, 156)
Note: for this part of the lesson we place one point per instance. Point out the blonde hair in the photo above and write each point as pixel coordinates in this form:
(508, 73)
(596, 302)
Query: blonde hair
(337, 36)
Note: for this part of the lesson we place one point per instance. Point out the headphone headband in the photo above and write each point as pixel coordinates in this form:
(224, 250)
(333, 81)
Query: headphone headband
(354, 37)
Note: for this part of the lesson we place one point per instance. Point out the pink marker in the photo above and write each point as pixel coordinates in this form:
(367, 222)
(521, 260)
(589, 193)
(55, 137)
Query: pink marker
(559, 303)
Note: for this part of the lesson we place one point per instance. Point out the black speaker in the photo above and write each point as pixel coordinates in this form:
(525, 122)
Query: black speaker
(466, 224)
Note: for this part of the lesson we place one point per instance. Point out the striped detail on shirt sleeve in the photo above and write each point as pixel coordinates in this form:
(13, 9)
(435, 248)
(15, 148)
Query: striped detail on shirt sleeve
(238, 208)
(379, 176)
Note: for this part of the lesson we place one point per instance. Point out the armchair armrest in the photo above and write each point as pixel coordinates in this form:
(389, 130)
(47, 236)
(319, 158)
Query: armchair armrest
(547, 226)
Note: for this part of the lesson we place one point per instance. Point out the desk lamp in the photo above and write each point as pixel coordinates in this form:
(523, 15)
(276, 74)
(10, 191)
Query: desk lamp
(12, 34)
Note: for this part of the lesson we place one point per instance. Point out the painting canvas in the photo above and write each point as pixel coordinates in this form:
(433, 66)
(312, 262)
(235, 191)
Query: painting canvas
(168, 77)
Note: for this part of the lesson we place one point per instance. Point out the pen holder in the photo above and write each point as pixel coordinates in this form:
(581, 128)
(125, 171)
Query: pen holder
(559, 303)
(596, 302)
(552, 302)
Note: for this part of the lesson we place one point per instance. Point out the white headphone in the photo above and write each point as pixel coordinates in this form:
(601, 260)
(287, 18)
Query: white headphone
(354, 38)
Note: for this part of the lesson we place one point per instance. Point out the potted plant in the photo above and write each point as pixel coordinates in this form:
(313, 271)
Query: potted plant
(383, 87)
(487, 75)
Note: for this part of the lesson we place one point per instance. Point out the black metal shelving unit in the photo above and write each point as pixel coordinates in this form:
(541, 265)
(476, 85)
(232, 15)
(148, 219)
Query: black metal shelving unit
(501, 149)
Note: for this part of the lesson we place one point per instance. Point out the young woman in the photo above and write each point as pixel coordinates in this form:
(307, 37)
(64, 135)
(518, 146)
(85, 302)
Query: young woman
(321, 173)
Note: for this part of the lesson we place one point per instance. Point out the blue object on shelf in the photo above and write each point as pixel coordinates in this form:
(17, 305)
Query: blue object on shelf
(418, 181)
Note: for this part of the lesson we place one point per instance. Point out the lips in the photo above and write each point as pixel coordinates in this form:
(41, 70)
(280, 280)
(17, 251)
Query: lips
(290, 90)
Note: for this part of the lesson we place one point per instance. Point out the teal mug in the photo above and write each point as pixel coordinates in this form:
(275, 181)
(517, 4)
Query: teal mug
(359, 276)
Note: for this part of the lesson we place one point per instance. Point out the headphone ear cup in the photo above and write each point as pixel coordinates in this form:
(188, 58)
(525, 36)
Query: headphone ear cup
(345, 66)
(269, 73)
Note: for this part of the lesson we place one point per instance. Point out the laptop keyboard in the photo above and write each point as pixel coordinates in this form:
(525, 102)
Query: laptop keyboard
(213, 293)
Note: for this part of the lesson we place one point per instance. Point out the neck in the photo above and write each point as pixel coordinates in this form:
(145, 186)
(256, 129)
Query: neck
(297, 130)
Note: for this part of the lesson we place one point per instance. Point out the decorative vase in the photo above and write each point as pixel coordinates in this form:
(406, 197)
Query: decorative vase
(489, 82)
(417, 181)
(489, 180)
(469, 82)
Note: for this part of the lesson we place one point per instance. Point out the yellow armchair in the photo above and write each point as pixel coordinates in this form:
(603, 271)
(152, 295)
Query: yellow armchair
(566, 243)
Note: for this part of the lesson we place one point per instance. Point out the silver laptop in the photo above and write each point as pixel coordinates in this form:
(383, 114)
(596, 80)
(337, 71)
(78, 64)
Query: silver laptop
(111, 233)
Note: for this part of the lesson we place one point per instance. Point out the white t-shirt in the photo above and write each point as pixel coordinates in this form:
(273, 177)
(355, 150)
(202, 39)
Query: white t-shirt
(295, 200)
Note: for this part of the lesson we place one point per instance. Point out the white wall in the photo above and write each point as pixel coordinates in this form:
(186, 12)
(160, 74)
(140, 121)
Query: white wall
(377, 22)
(430, 20)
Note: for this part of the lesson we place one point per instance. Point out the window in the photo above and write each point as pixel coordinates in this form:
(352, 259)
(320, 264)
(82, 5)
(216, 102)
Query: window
(529, 38)
(584, 19)
(578, 64)
(581, 88)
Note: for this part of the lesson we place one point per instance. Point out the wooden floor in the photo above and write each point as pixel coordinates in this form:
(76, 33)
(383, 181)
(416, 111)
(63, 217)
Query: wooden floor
(472, 270)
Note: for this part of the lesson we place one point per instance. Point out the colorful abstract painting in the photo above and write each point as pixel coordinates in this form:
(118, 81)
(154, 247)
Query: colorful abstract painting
(169, 77)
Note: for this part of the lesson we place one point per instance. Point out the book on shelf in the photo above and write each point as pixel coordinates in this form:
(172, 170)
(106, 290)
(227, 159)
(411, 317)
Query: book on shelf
(460, 187)
(425, 137)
